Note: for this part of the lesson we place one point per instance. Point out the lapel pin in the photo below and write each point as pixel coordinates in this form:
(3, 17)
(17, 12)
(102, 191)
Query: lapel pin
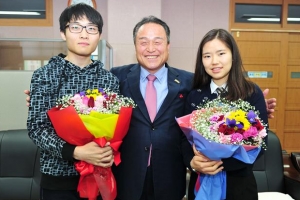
(180, 96)
(177, 81)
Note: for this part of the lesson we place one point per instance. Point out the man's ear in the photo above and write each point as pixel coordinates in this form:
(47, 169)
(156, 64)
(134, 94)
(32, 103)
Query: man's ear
(63, 36)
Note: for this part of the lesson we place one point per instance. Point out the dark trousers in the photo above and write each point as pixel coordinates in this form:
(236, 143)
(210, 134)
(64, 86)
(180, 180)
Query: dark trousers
(193, 179)
(241, 188)
(148, 190)
(61, 195)
(238, 187)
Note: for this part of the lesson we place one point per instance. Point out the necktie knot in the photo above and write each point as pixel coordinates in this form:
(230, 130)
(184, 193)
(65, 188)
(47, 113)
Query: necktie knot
(221, 91)
(151, 77)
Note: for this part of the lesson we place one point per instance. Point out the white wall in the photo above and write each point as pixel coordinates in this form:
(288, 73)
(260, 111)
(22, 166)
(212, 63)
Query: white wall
(13, 109)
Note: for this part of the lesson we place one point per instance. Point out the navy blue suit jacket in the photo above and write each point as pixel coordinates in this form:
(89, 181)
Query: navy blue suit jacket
(171, 152)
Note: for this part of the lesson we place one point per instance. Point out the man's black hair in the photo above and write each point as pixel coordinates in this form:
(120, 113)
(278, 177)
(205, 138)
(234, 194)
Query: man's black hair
(151, 19)
(78, 11)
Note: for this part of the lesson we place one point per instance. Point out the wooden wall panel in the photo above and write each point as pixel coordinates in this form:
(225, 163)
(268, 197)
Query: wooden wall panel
(291, 141)
(294, 53)
(271, 81)
(260, 52)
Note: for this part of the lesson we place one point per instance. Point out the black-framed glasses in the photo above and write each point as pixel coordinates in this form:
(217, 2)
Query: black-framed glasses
(77, 28)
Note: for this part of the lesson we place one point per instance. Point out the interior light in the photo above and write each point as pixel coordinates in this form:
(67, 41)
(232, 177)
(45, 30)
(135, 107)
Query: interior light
(294, 19)
(18, 13)
(257, 16)
(264, 19)
(272, 19)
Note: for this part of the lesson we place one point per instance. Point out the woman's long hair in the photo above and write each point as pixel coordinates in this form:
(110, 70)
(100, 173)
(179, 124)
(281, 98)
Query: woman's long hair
(238, 86)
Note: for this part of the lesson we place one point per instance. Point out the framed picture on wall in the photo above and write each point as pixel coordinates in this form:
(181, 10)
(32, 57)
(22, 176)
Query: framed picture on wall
(89, 2)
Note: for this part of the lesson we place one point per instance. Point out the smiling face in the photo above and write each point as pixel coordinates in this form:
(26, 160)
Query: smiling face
(152, 48)
(80, 44)
(217, 60)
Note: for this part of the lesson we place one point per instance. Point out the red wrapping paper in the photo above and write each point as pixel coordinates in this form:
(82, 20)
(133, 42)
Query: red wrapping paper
(93, 179)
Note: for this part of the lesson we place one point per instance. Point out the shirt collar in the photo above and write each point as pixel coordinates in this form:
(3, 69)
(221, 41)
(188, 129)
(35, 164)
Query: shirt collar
(214, 86)
(160, 74)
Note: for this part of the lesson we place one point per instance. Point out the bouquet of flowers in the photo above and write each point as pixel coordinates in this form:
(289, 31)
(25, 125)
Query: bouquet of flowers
(222, 129)
(94, 115)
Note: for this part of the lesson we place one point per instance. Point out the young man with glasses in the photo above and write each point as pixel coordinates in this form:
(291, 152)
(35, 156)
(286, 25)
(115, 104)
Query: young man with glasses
(80, 27)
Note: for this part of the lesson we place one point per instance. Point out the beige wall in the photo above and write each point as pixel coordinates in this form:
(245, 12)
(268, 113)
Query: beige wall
(189, 20)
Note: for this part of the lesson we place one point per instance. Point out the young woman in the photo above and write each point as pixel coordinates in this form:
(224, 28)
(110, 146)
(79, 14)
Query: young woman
(218, 65)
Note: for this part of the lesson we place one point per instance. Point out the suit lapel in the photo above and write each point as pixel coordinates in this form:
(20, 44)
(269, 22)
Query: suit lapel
(134, 85)
(174, 84)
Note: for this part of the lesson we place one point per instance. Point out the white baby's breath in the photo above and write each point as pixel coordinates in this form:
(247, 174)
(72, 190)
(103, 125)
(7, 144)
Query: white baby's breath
(204, 122)
(103, 101)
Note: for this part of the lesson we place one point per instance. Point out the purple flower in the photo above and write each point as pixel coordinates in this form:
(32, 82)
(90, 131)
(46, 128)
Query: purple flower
(101, 90)
(251, 116)
(82, 93)
(240, 125)
(230, 123)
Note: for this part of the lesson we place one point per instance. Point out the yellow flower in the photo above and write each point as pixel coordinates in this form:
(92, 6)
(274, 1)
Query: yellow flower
(93, 93)
(240, 117)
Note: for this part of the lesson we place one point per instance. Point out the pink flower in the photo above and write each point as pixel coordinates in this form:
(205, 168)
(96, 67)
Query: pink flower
(76, 97)
(262, 133)
(251, 132)
(224, 139)
(236, 137)
(85, 100)
(99, 101)
(214, 118)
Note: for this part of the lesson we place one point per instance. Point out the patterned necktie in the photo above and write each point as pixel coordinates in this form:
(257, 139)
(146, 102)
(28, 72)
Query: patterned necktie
(221, 91)
(150, 96)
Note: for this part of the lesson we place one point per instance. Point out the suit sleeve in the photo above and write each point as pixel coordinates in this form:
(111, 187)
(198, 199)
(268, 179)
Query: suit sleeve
(185, 143)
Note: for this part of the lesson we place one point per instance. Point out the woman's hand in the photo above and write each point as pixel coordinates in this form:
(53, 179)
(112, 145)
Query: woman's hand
(202, 164)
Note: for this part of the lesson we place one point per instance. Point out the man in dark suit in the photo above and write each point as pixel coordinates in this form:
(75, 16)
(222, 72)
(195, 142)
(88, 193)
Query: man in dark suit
(160, 140)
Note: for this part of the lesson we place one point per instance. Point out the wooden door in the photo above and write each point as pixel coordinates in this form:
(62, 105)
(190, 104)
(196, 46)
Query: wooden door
(272, 60)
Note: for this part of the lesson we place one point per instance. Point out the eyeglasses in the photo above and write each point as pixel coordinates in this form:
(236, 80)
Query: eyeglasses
(77, 28)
